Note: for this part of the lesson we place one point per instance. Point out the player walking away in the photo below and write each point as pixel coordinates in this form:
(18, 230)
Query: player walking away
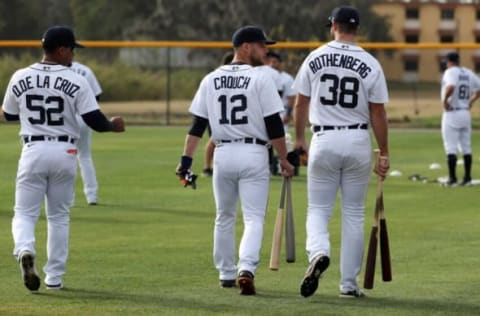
(84, 145)
(275, 76)
(45, 97)
(286, 82)
(243, 109)
(341, 89)
(287, 95)
(460, 89)
(210, 147)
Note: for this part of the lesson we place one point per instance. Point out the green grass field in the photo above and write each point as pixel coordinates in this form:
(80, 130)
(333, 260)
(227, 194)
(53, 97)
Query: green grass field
(147, 248)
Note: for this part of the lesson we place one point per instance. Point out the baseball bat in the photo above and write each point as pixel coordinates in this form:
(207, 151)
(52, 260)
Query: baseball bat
(368, 280)
(278, 230)
(289, 225)
(371, 258)
(384, 245)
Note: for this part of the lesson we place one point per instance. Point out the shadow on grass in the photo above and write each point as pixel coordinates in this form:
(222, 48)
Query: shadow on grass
(403, 305)
(265, 300)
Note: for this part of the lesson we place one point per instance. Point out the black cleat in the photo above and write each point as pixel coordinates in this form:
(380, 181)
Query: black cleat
(227, 283)
(314, 272)
(29, 272)
(207, 172)
(352, 294)
(245, 282)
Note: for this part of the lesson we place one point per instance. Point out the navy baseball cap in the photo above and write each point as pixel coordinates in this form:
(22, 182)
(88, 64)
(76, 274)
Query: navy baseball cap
(59, 36)
(250, 34)
(453, 57)
(344, 15)
(274, 55)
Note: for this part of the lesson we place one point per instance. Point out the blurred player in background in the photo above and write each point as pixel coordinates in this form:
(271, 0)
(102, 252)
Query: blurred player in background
(84, 145)
(277, 80)
(460, 89)
(286, 82)
(287, 94)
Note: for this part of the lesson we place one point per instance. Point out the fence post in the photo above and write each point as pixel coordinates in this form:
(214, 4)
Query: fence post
(168, 83)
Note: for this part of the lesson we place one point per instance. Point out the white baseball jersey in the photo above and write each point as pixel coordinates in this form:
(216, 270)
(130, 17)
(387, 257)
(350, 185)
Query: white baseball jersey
(235, 99)
(87, 73)
(341, 79)
(465, 83)
(47, 98)
(274, 75)
(286, 81)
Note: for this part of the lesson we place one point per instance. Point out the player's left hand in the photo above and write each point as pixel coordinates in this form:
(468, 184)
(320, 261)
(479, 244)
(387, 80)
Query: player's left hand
(118, 124)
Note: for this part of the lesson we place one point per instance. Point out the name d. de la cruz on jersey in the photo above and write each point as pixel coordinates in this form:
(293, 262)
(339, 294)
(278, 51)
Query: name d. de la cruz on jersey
(341, 61)
(28, 83)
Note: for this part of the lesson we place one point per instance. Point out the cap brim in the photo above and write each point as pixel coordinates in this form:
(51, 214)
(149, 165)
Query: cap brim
(77, 45)
(270, 42)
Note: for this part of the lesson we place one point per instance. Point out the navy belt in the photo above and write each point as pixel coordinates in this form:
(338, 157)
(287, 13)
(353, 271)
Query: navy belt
(40, 138)
(246, 140)
(457, 109)
(317, 128)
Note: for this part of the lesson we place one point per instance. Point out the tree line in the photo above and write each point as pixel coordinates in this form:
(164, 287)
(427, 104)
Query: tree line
(212, 20)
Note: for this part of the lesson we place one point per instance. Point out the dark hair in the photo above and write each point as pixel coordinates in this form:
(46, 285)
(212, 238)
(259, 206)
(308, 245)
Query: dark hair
(347, 28)
(227, 58)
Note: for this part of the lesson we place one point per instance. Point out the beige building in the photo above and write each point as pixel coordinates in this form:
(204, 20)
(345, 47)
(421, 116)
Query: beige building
(424, 21)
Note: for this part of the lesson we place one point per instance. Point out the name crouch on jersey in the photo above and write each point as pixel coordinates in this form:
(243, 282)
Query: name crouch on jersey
(231, 82)
(340, 61)
(61, 84)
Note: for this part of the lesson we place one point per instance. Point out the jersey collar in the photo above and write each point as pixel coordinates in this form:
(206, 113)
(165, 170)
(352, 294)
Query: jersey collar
(344, 46)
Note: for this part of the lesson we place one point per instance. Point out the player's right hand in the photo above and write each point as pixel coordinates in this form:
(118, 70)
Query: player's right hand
(286, 168)
(381, 166)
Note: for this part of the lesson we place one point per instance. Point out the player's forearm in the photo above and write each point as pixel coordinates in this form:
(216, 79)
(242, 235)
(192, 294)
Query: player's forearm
(474, 98)
(300, 116)
(97, 121)
(280, 147)
(378, 119)
(448, 93)
(191, 144)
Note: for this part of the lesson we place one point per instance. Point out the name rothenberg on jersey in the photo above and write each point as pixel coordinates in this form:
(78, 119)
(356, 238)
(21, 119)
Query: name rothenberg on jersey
(28, 83)
(341, 61)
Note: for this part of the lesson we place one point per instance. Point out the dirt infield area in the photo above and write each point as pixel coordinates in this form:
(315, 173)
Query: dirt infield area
(404, 108)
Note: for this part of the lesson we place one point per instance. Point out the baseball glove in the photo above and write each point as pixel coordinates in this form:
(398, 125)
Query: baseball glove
(186, 176)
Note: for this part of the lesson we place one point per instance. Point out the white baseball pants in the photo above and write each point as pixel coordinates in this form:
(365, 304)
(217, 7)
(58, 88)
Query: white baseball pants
(46, 169)
(338, 160)
(241, 172)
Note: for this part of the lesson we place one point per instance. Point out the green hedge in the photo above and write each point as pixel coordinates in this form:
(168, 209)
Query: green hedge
(122, 82)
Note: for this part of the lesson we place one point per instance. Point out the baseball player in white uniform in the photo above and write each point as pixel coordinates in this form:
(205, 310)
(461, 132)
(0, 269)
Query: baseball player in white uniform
(46, 97)
(341, 91)
(286, 82)
(84, 145)
(460, 89)
(242, 106)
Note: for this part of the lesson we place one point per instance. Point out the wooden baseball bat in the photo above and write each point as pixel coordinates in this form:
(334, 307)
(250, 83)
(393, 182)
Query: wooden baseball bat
(369, 277)
(278, 231)
(289, 225)
(384, 245)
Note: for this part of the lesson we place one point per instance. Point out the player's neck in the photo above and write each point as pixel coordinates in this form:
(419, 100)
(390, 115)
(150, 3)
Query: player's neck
(345, 38)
